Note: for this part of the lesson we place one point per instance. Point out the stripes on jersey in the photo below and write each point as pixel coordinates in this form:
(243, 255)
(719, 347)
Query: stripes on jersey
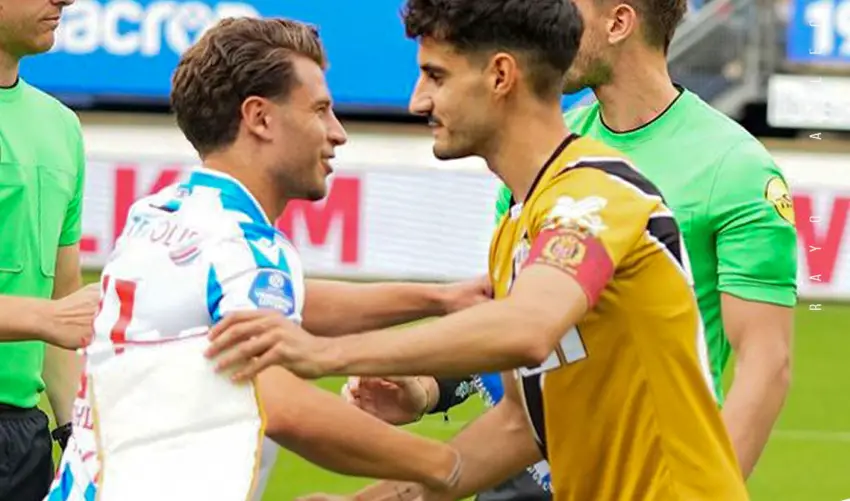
(532, 393)
(663, 228)
(620, 170)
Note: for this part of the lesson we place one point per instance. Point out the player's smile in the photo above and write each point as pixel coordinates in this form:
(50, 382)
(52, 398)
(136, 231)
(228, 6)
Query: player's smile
(326, 163)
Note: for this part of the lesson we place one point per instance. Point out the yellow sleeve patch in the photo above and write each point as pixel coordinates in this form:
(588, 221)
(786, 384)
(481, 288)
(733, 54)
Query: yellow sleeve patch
(776, 192)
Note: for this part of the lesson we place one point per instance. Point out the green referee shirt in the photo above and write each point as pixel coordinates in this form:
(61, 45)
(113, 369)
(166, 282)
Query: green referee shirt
(729, 197)
(41, 195)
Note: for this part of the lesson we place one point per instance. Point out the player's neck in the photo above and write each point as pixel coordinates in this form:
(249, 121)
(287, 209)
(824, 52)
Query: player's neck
(525, 145)
(263, 191)
(9, 67)
(639, 95)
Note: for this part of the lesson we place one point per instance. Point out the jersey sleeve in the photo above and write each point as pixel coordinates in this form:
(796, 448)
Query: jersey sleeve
(503, 202)
(585, 224)
(257, 271)
(72, 226)
(752, 214)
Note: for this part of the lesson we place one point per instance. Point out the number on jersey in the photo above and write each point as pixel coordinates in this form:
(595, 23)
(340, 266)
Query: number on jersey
(125, 290)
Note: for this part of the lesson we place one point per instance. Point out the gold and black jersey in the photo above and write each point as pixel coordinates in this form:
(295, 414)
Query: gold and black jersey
(624, 409)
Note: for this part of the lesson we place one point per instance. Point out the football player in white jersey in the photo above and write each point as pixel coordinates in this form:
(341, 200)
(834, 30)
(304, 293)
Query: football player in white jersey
(154, 421)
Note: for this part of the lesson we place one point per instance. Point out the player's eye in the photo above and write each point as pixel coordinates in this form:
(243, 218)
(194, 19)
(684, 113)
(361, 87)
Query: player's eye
(434, 76)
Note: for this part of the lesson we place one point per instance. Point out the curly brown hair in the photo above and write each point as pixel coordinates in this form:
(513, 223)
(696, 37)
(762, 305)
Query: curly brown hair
(237, 58)
(546, 33)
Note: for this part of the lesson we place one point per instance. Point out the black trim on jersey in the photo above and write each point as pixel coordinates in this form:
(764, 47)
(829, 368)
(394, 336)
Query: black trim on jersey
(10, 87)
(622, 170)
(561, 147)
(678, 87)
(666, 231)
(533, 393)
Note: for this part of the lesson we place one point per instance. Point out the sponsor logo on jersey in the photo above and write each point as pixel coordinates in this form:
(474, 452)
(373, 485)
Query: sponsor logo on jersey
(779, 196)
(272, 289)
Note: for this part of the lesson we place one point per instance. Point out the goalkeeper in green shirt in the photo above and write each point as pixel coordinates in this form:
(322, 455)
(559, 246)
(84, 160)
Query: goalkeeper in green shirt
(729, 197)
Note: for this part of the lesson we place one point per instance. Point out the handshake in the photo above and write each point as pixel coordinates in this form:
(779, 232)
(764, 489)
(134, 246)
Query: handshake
(398, 401)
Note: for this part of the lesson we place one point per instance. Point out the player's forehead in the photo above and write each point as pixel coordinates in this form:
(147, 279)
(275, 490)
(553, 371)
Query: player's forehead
(311, 86)
(439, 55)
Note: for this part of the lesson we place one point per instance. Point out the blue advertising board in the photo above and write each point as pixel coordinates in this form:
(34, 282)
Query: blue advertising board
(819, 32)
(126, 50)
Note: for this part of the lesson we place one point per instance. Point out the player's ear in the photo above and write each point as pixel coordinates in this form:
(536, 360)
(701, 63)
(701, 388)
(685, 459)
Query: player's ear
(503, 72)
(622, 23)
(257, 116)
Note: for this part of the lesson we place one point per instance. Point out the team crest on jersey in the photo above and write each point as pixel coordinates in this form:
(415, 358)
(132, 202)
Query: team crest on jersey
(579, 214)
(565, 249)
(273, 289)
(779, 196)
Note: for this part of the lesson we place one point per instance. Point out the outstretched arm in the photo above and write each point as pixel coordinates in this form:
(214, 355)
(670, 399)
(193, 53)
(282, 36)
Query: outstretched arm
(322, 428)
(335, 308)
(482, 447)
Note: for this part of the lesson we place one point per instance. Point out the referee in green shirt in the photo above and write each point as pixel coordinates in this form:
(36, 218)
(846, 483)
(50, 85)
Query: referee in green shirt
(41, 191)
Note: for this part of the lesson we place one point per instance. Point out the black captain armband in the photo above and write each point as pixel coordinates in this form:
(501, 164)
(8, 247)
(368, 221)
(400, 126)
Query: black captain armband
(61, 435)
(453, 392)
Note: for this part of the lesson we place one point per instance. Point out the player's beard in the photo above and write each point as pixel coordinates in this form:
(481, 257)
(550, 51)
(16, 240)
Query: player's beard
(588, 71)
(460, 143)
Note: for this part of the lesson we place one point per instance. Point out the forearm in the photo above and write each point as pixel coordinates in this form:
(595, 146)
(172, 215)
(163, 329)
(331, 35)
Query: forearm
(320, 427)
(333, 308)
(753, 404)
(62, 367)
(495, 447)
(21, 317)
(61, 376)
(485, 464)
(490, 337)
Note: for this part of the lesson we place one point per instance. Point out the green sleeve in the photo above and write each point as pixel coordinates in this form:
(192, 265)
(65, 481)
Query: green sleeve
(503, 202)
(72, 226)
(753, 219)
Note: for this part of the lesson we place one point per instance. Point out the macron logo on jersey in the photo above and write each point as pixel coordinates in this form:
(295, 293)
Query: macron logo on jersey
(273, 289)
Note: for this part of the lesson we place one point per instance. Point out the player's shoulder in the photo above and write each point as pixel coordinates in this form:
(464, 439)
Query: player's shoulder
(46, 105)
(728, 138)
(587, 164)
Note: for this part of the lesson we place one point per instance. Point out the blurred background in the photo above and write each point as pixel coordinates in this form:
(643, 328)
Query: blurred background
(779, 67)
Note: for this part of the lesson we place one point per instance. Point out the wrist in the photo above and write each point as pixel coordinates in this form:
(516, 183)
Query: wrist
(441, 299)
(40, 319)
(329, 356)
(447, 475)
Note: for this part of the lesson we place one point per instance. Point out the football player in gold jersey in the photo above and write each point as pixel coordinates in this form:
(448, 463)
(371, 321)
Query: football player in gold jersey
(594, 311)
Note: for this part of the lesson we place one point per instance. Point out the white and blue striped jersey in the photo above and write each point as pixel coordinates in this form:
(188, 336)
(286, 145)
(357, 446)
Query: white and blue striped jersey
(189, 255)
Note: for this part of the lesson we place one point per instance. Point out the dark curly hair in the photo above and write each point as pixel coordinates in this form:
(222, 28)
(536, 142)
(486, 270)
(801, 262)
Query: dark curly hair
(544, 33)
(237, 58)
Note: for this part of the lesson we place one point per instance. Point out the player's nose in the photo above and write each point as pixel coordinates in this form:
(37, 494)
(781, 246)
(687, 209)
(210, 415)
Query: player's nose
(336, 132)
(420, 103)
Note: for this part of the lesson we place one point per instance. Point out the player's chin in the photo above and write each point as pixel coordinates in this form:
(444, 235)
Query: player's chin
(41, 44)
(317, 191)
(447, 152)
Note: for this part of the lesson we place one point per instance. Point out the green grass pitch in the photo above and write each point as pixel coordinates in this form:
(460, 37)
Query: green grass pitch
(807, 458)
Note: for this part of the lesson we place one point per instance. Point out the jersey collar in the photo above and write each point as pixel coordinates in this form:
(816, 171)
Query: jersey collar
(234, 195)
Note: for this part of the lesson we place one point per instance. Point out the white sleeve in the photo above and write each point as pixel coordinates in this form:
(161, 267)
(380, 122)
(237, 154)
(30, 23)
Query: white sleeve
(258, 271)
